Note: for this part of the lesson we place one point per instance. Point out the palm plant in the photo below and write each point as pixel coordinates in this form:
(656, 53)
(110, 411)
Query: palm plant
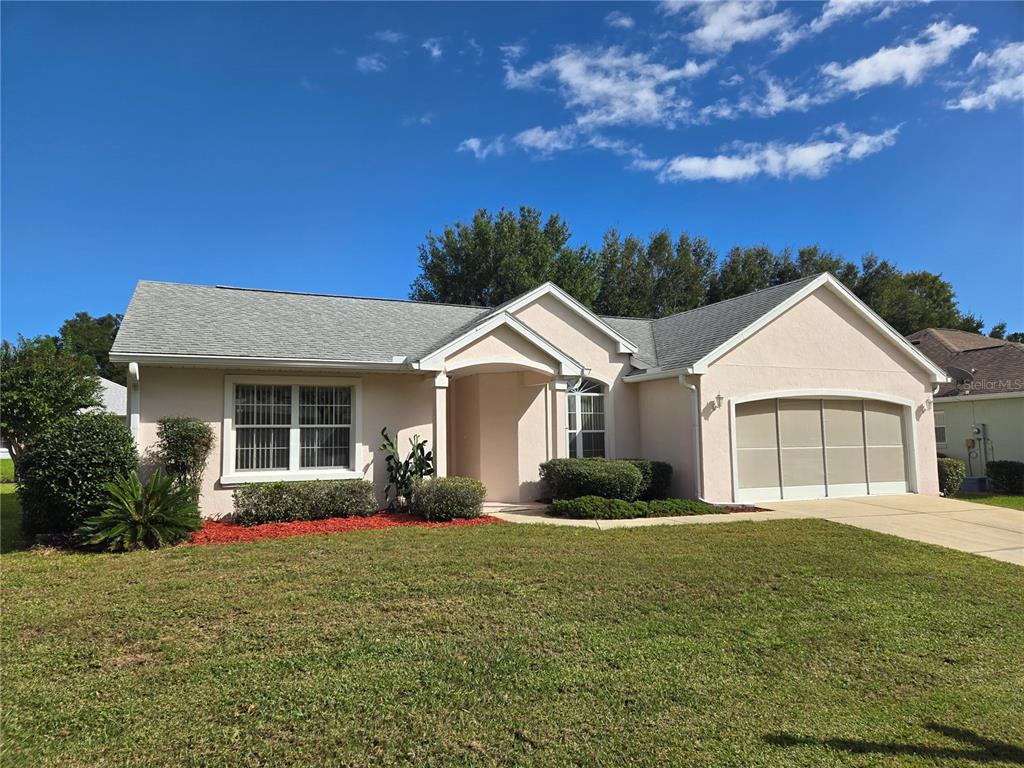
(139, 515)
(402, 473)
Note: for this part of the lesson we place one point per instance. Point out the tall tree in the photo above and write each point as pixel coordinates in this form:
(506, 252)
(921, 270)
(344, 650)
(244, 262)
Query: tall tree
(744, 270)
(812, 260)
(40, 383)
(86, 336)
(497, 257)
(626, 277)
(998, 331)
(913, 301)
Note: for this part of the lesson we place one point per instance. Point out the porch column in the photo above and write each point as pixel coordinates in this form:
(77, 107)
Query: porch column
(560, 448)
(440, 425)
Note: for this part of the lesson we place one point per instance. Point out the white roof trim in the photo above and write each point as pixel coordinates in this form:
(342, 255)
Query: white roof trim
(232, 361)
(625, 346)
(938, 400)
(840, 290)
(435, 360)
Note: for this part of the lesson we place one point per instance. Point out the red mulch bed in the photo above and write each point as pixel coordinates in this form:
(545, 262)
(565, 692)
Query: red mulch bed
(218, 532)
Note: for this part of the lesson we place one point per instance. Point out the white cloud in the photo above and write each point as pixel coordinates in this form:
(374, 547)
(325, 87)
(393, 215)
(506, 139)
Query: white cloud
(813, 159)
(999, 77)
(611, 87)
(482, 150)
(835, 11)
(908, 62)
(425, 119)
(734, 79)
(433, 47)
(547, 141)
(389, 36)
(512, 52)
(619, 20)
(778, 97)
(721, 25)
(371, 63)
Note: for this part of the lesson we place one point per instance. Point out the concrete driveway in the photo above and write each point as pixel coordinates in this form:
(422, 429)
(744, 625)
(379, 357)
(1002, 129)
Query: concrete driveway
(981, 529)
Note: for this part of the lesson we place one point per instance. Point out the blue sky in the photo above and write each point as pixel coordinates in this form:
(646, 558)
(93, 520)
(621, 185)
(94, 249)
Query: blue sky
(312, 146)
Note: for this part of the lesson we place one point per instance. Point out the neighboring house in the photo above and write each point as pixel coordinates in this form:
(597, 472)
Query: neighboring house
(979, 414)
(795, 391)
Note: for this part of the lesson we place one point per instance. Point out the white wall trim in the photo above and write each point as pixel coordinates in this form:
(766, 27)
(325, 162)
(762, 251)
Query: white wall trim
(533, 365)
(825, 280)
(228, 474)
(229, 361)
(435, 361)
(908, 425)
(938, 401)
(624, 345)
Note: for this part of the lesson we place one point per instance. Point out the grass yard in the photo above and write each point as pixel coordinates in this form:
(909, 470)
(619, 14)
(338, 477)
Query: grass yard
(6, 471)
(792, 643)
(995, 499)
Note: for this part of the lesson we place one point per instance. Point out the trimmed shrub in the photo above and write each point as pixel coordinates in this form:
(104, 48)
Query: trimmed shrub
(1007, 476)
(572, 478)
(138, 516)
(657, 477)
(951, 476)
(183, 444)
(446, 498)
(598, 508)
(63, 470)
(285, 502)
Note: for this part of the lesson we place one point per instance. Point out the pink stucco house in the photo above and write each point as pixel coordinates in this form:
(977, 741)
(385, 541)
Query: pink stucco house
(795, 391)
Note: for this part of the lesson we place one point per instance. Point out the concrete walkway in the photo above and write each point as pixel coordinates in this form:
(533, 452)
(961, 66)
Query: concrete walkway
(981, 529)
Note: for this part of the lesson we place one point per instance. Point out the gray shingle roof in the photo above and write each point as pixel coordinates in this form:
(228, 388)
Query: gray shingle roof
(208, 321)
(681, 340)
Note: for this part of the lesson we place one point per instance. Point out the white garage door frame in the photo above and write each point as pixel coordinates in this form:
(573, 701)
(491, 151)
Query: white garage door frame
(907, 425)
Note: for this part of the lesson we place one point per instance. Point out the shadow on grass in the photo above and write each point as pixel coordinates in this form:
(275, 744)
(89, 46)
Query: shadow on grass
(976, 748)
(11, 537)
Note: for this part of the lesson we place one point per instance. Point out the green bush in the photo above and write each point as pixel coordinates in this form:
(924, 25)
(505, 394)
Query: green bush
(183, 444)
(63, 470)
(137, 516)
(446, 498)
(283, 502)
(598, 508)
(657, 478)
(572, 478)
(1006, 476)
(951, 476)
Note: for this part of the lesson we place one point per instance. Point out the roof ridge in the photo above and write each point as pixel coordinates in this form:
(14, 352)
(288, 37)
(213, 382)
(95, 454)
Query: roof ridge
(316, 293)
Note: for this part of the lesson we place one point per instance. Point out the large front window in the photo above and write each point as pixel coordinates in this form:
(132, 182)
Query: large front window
(585, 401)
(280, 428)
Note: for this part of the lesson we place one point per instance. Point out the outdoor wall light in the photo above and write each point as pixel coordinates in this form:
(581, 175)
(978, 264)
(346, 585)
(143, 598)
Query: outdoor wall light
(718, 400)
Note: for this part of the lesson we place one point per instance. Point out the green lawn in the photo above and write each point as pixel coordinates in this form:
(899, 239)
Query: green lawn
(6, 471)
(998, 500)
(800, 643)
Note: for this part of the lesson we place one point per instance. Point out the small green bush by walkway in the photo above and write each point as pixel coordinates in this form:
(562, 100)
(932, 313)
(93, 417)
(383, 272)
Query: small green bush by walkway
(951, 475)
(572, 478)
(598, 508)
(283, 502)
(447, 498)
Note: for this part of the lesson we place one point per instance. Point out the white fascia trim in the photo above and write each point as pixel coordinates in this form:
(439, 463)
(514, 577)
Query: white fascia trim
(625, 346)
(938, 401)
(227, 361)
(661, 373)
(938, 375)
(435, 360)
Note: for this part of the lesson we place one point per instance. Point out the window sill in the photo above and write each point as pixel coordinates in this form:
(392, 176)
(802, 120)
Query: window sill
(241, 478)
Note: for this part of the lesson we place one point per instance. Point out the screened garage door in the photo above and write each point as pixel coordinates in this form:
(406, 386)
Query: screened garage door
(805, 448)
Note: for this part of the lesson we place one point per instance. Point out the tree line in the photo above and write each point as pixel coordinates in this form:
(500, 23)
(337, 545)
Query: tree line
(497, 256)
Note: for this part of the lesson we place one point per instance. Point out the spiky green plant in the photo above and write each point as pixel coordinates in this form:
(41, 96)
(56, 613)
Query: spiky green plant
(138, 515)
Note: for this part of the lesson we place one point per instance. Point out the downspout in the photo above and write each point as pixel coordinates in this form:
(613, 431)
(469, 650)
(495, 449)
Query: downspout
(697, 455)
(133, 400)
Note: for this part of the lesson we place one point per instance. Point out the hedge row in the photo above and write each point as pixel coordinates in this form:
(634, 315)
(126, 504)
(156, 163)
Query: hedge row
(626, 479)
(446, 498)
(951, 475)
(1006, 476)
(283, 502)
(598, 508)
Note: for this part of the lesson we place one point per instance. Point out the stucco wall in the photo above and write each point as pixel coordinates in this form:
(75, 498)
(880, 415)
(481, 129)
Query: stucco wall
(597, 352)
(666, 430)
(397, 401)
(820, 344)
(1003, 420)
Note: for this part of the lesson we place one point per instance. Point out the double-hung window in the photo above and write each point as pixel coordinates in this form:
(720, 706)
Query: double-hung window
(940, 429)
(586, 422)
(280, 428)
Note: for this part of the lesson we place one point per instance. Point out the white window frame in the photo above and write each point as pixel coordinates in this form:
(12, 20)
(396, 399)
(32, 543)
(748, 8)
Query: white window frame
(579, 431)
(231, 476)
(940, 416)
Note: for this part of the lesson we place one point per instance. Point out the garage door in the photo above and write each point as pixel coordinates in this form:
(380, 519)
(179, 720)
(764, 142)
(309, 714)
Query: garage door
(805, 448)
